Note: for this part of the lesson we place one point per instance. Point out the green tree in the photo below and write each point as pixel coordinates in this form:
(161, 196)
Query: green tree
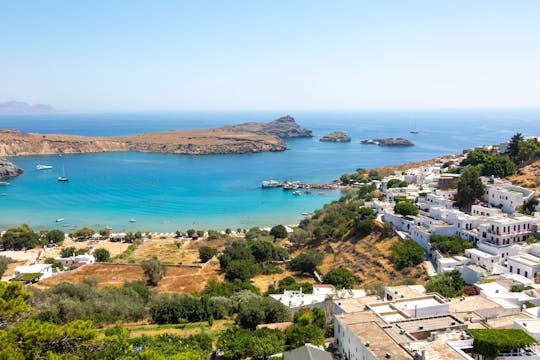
(242, 270)
(448, 284)
(20, 237)
(84, 233)
(278, 232)
(306, 261)
(68, 251)
(213, 235)
(396, 183)
(406, 208)
(4, 262)
(340, 278)
(153, 271)
(499, 166)
(513, 147)
(298, 335)
(206, 253)
(529, 206)
(449, 245)
(476, 157)
(470, 188)
(406, 253)
(102, 255)
(55, 236)
(104, 233)
(527, 149)
(190, 232)
(13, 301)
(251, 314)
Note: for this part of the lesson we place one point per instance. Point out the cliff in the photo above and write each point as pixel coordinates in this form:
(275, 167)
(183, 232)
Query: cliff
(336, 136)
(388, 142)
(240, 139)
(8, 169)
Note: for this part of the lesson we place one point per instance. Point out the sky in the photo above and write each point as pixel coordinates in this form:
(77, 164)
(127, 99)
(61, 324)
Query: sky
(129, 55)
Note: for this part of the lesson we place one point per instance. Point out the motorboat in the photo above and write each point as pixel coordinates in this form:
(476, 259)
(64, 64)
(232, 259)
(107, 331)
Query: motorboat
(270, 184)
(43, 167)
(60, 220)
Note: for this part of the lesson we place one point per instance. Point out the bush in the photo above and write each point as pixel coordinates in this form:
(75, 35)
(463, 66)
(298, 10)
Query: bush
(84, 233)
(278, 232)
(406, 208)
(102, 255)
(307, 261)
(4, 262)
(449, 245)
(206, 253)
(153, 271)
(396, 183)
(20, 237)
(448, 284)
(406, 253)
(243, 270)
(340, 278)
(55, 237)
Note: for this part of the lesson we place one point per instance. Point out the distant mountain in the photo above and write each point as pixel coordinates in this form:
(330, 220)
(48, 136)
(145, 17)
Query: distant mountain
(19, 107)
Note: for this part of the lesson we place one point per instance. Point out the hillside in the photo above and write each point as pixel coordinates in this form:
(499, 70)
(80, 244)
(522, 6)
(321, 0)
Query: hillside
(367, 258)
(528, 176)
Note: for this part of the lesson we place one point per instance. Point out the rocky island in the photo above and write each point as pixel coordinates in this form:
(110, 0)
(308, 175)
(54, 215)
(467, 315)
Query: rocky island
(8, 169)
(336, 136)
(239, 139)
(388, 142)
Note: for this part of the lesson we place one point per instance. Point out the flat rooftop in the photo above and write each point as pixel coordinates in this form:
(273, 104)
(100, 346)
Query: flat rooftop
(526, 259)
(356, 305)
(429, 324)
(472, 303)
(380, 342)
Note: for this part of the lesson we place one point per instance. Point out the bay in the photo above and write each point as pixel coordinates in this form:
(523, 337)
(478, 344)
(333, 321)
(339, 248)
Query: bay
(166, 192)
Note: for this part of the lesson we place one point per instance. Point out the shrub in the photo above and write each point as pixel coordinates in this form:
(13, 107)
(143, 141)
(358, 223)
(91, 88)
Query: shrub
(307, 261)
(340, 278)
(206, 253)
(102, 255)
(406, 208)
(406, 253)
(153, 271)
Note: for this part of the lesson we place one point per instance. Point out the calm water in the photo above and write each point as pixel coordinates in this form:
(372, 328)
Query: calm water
(169, 192)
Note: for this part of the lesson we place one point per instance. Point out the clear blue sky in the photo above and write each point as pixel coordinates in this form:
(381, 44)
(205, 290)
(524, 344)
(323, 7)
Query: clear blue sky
(274, 55)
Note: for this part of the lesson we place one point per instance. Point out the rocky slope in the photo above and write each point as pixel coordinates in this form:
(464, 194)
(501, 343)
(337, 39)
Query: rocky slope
(388, 142)
(8, 169)
(336, 136)
(284, 127)
(240, 139)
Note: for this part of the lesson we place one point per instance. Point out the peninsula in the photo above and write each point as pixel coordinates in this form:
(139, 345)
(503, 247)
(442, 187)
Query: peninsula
(239, 139)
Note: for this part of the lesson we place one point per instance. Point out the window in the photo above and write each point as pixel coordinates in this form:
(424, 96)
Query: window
(511, 268)
(518, 271)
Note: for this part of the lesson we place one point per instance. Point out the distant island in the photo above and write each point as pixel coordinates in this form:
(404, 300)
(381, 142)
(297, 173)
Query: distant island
(388, 142)
(19, 107)
(239, 139)
(336, 136)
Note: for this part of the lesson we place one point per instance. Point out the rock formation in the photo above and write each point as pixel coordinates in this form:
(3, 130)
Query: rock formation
(336, 136)
(388, 142)
(284, 127)
(8, 169)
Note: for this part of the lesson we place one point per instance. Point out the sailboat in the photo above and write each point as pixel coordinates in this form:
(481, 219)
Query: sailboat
(63, 177)
(414, 131)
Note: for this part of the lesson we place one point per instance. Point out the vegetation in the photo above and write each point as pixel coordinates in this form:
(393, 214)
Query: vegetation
(4, 262)
(470, 188)
(289, 283)
(153, 271)
(84, 233)
(396, 183)
(206, 253)
(72, 251)
(278, 232)
(102, 255)
(340, 278)
(20, 237)
(406, 208)
(366, 221)
(448, 284)
(407, 253)
(54, 236)
(491, 342)
(306, 262)
(449, 245)
(489, 164)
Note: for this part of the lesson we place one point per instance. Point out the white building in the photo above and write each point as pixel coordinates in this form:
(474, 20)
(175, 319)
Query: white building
(506, 197)
(44, 269)
(526, 265)
(84, 259)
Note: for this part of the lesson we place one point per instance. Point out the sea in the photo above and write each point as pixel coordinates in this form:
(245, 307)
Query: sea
(166, 193)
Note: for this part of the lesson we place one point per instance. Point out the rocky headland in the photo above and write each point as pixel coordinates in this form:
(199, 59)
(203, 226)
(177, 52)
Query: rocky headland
(8, 169)
(388, 142)
(239, 139)
(336, 136)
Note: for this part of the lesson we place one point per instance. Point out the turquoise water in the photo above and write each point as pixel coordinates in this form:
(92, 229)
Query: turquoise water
(169, 192)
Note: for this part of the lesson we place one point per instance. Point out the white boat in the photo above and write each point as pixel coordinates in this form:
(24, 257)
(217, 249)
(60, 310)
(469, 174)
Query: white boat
(63, 178)
(296, 193)
(108, 228)
(4, 183)
(132, 220)
(43, 167)
(270, 184)
(60, 220)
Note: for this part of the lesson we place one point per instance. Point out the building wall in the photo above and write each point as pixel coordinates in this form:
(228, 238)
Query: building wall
(348, 344)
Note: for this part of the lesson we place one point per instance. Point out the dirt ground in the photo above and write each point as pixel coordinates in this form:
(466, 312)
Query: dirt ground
(176, 279)
(172, 251)
(114, 248)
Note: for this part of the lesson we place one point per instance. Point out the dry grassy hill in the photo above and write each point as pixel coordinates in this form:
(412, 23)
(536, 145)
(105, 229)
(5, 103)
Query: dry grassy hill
(528, 176)
(368, 259)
